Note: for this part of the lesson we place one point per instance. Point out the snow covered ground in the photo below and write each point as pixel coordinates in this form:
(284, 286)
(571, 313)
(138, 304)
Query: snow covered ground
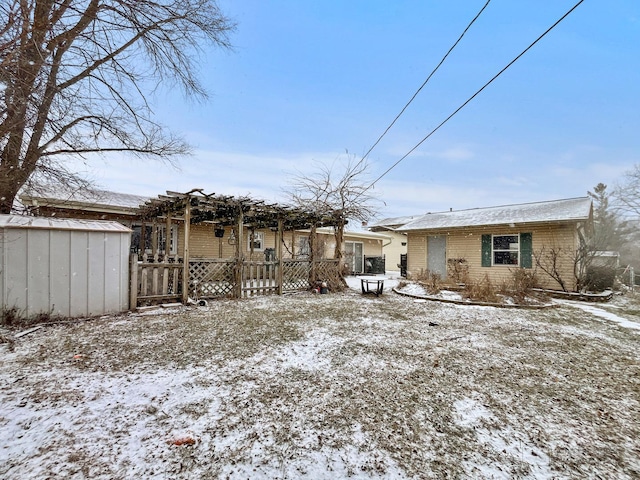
(324, 387)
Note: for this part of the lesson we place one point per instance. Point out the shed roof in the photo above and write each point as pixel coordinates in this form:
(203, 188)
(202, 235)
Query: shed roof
(566, 210)
(52, 223)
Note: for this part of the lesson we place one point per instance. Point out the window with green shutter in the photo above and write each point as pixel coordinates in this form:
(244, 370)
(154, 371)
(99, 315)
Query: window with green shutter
(511, 249)
(526, 250)
(486, 250)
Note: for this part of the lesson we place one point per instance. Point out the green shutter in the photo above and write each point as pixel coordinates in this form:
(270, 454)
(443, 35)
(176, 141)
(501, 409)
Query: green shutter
(526, 250)
(486, 250)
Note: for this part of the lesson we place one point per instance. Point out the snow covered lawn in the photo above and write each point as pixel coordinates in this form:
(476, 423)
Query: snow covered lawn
(327, 386)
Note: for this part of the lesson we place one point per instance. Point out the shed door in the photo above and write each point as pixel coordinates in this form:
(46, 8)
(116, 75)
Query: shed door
(437, 255)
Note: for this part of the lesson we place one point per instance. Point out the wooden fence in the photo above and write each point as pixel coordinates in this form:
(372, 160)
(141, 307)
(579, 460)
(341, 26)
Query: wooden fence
(155, 282)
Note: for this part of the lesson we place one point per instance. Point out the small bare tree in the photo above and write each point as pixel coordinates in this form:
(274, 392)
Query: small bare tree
(551, 258)
(548, 259)
(73, 77)
(342, 190)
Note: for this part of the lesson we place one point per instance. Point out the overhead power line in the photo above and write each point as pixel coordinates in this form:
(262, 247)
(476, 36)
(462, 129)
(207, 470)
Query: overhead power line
(424, 83)
(474, 95)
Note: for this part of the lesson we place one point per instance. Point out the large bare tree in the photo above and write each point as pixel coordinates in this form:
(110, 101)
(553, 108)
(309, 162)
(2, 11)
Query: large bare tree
(75, 78)
(342, 188)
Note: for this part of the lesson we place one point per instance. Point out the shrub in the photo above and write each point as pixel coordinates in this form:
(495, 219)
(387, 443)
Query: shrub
(12, 317)
(598, 279)
(458, 270)
(482, 291)
(523, 281)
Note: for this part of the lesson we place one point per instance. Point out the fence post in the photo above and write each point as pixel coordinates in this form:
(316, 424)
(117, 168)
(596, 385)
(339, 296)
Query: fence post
(133, 281)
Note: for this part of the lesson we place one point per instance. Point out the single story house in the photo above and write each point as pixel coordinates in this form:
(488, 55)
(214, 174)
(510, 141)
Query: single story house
(492, 242)
(207, 240)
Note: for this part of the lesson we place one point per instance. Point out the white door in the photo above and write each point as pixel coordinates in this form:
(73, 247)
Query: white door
(353, 256)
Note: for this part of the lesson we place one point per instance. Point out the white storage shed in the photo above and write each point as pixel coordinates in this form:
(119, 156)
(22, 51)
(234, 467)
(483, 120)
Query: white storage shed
(63, 267)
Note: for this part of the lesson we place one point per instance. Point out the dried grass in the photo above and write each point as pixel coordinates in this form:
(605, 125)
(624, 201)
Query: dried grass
(350, 386)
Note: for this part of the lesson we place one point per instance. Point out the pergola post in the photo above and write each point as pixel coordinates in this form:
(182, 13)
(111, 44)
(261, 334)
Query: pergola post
(185, 251)
(279, 240)
(293, 244)
(312, 255)
(167, 239)
(154, 240)
(239, 253)
(143, 241)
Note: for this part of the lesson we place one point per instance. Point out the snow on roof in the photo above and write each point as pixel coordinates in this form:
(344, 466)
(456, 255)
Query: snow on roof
(394, 221)
(52, 223)
(352, 233)
(89, 196)
(571, 209)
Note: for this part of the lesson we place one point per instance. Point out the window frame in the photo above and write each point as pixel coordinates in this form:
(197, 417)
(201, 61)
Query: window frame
(136, 233)
(304, 246)
(255, 237)
(504, 250)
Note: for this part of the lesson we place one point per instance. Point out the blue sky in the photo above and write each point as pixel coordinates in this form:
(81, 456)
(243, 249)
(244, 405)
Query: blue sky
(307, 81)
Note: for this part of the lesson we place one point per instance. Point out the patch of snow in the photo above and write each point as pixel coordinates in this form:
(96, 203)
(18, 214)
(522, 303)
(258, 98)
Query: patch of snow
(512, 447)
(600, 312)
(449, 295)
(413, 289)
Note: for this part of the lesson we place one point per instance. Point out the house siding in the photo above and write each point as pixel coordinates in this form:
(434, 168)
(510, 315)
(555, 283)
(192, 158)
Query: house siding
(467, 244)
(392, 250)
(204, 243)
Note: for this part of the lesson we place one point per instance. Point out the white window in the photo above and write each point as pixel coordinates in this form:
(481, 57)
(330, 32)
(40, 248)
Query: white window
(148, 238)
(256, 240)
(304, 249)
(506, 249)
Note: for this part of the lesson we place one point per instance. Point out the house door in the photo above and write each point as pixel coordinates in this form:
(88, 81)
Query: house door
(437, 255)
(353, 256)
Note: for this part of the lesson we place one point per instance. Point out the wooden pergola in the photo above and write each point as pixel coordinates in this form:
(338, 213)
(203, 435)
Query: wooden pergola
(195, 207)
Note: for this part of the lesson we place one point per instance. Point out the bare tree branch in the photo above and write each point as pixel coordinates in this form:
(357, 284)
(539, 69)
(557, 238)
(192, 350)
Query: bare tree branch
(339, 189)
(75, 75)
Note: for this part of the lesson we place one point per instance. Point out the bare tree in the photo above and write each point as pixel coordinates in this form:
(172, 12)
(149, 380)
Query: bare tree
(627, 193)
(75, 77)
(554, 260)
(341, 189)
(549, 260)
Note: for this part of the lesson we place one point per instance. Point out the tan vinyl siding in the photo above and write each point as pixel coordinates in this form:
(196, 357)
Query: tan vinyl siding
(416, 254)
(204, 243)
(392, 250)
(370, 247)
(467, 244)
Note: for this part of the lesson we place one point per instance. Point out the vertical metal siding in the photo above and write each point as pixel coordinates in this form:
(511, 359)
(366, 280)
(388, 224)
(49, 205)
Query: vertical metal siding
(60, 277)
(96, 273)
(16, 270)
(79, 267)
(38, 271)
(64, 272)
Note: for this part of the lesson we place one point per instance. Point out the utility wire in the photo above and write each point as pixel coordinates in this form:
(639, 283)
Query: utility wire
(422, 86)
(473, 96)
